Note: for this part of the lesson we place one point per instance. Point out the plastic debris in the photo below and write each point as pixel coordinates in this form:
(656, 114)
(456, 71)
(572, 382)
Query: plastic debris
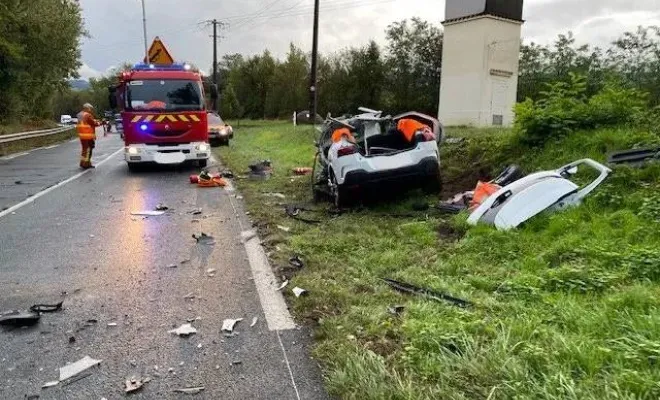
(283, 285)
(227, 174)
(192, 390)
(228, 324)
(189, 296)
(72, 370)
(254, 322)
(299, 291)
(112, 324)
(261, 170)
(293, 211)
(210, 272)
(172, 266)
(396, 310)
(133, 385)
(148, 213)
(296, 262)
(184, 330)
(161, 207)
(303, 171)
(437, 296)
(50, 384)
(283, 228)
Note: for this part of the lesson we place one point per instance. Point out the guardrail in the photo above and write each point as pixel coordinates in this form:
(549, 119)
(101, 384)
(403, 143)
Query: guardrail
(14, 137)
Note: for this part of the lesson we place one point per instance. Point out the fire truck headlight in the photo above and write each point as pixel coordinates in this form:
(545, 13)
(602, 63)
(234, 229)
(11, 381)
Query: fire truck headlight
(133, 150)
(203, 147)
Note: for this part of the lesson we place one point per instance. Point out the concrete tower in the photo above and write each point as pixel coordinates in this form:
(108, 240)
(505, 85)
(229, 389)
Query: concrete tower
(480, 62)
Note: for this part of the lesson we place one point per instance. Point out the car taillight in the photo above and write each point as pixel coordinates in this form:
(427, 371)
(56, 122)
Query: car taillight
(425, 136)
(346, 151)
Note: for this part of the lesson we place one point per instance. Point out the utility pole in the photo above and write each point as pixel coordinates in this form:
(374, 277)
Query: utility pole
(215, 60)
(144, 27)
(315, 51)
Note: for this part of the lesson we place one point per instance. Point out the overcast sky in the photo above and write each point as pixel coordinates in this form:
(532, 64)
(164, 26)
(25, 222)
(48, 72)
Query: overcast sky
(115, 26)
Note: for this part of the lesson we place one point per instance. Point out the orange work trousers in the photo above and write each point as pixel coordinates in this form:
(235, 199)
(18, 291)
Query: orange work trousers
(86, 155)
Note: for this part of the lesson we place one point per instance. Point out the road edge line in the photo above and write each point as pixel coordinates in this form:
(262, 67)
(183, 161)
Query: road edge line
(44, 192)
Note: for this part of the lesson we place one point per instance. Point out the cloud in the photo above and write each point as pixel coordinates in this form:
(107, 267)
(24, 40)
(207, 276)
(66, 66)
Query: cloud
(116, 25)
(87, 72)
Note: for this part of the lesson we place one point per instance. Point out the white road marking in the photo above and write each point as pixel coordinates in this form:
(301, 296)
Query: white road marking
(49, 147)
(288, 365)
(50, 189)
(11, 157)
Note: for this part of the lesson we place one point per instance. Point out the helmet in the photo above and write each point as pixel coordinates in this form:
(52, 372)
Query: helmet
(88, 106)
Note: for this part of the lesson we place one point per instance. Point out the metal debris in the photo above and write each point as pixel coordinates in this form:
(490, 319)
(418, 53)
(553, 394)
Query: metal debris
(228, 324)
(192, 390)
(437, 296)
(283, 285)
(184, 330)
(299, 291)
(296, 262)
(19, 318)
(50, 384)
(46, 308)
(72, 370)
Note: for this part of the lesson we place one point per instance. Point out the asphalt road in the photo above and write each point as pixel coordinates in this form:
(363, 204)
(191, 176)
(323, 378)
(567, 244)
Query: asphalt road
(79, 243)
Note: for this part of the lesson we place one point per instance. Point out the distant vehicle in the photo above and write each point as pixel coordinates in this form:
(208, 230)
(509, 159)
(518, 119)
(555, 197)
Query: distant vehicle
(65, 119)
(368, 151)
(119, 125)
(74, 121)
(219, 131)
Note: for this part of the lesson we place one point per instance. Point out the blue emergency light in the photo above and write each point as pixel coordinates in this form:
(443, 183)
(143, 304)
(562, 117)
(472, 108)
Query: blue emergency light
(162, 67)
(144, 127)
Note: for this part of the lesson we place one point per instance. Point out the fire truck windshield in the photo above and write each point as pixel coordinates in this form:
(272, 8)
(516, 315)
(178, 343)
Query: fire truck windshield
(169, 95)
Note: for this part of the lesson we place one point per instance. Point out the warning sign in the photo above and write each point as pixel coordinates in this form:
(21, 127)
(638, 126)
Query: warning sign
(158, 54)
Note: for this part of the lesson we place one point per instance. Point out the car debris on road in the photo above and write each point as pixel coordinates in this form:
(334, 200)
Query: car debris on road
(78, 367)
(147, 213)
(191, 390)
(184, 330)
(299, 291)
(229, 324)
(134, 384)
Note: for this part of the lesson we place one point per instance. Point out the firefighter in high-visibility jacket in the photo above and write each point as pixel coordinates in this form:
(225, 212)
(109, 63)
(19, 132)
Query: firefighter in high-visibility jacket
(87, 133)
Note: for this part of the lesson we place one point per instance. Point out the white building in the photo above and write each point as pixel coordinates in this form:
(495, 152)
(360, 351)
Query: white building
(480, 62)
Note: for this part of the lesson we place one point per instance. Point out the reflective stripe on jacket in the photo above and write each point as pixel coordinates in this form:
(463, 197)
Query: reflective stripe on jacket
(85, 130)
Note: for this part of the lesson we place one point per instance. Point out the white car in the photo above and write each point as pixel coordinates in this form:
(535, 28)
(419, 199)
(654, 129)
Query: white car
(376, 155)
(65, 119)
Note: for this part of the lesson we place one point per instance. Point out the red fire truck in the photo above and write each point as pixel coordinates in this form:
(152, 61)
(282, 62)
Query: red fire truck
(163, 111)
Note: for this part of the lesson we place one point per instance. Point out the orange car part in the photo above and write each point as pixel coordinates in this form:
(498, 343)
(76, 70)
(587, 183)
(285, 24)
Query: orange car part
(483, 191)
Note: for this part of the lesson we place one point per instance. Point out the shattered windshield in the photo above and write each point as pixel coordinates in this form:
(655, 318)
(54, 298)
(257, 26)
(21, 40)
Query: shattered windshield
(160, 95)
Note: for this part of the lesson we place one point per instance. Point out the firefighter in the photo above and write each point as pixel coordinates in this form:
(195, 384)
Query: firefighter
(87, 133)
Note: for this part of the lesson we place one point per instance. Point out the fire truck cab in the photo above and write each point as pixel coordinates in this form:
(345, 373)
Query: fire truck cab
(163, 112)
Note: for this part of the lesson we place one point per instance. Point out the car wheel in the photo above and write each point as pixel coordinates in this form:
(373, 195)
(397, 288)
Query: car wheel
(433, 184)
(339, 195)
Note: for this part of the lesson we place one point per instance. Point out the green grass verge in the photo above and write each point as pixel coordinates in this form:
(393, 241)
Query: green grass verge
(566, 307)
(27, 144)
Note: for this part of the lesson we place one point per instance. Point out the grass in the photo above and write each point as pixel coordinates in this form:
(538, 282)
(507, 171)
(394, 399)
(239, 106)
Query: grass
(27, 144)
(566, 307)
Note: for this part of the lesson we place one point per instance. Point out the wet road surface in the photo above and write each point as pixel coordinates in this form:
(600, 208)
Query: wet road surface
(79, 244)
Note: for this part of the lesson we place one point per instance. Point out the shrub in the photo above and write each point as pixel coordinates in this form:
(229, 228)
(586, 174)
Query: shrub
(565, 107)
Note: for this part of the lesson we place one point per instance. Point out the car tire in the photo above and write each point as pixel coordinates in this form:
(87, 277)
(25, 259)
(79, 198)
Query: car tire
(339, 195)
(433, 184)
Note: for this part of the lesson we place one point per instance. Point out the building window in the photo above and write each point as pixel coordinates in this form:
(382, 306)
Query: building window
(498, 120)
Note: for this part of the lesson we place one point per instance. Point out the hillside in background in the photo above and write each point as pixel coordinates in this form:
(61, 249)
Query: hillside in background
(79, 84)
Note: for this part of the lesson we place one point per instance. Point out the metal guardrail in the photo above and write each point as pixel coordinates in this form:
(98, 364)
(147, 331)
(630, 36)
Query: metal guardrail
(14, 137)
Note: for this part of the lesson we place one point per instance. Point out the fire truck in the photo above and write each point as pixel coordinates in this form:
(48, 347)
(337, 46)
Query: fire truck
(163, 113)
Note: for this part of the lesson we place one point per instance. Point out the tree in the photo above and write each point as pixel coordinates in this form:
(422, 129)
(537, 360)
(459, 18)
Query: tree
(39, 51)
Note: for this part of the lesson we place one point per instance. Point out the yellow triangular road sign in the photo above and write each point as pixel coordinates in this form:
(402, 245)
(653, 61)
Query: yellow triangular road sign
(158, 54)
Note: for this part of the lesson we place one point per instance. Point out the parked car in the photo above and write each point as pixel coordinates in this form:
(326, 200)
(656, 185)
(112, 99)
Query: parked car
(369, 152)
(219, 131)
(74, 121)
(119, 125)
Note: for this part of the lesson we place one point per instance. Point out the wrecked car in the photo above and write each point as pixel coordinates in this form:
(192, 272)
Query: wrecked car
(369, 151)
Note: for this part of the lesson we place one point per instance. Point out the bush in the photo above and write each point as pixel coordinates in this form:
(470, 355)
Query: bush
(565, 107)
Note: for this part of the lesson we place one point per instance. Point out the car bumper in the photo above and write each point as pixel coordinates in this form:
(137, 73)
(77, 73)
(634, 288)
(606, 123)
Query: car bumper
(175, 154)
(426, 168)
(217, 136)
